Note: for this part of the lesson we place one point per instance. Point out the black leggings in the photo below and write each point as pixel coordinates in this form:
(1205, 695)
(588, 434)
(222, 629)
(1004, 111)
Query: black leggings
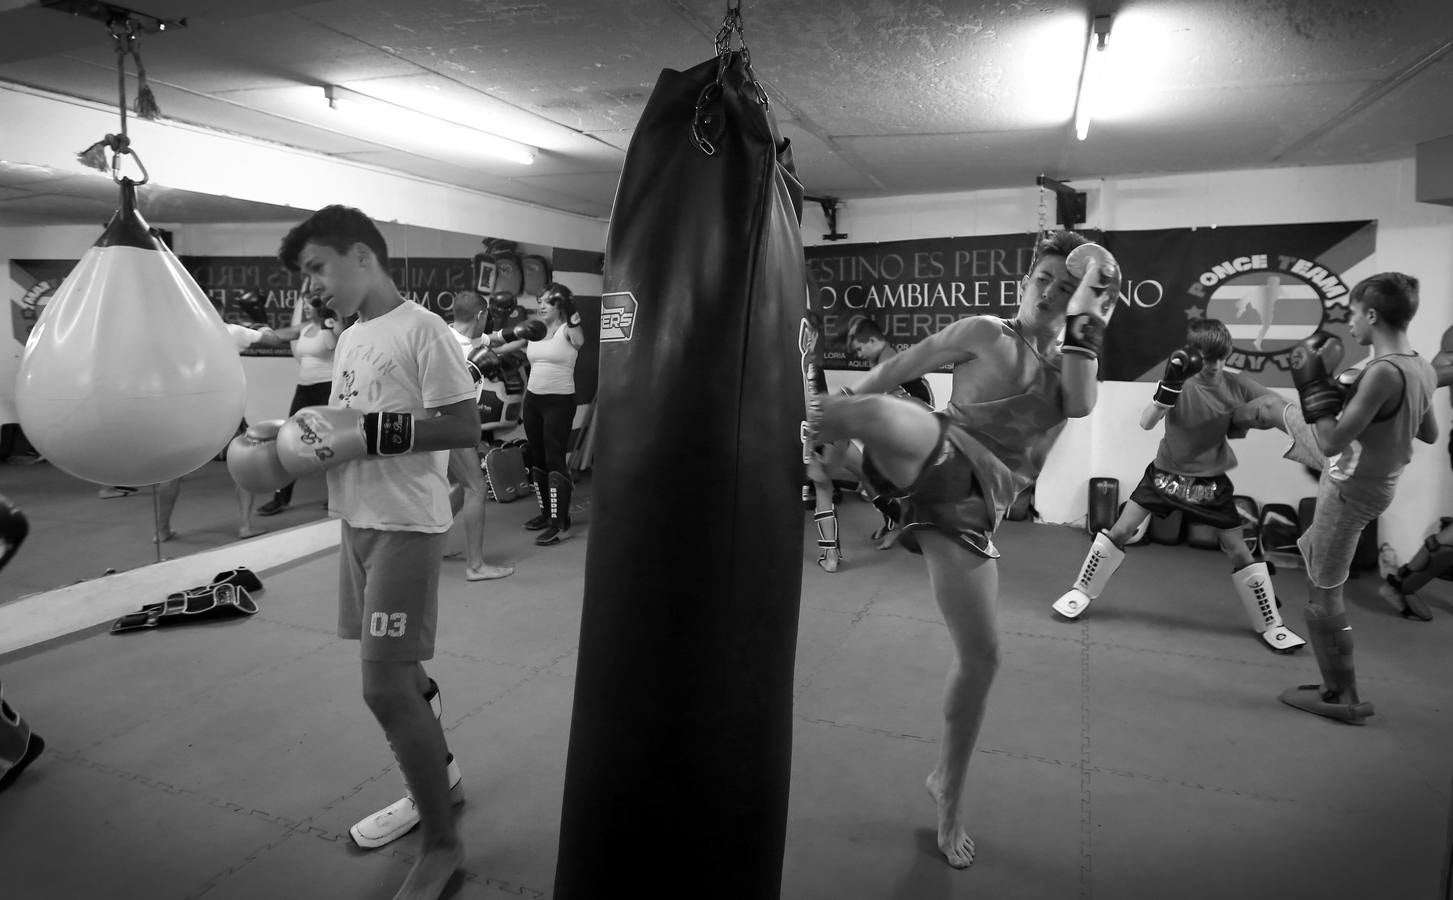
(547, 419)
(304, 395)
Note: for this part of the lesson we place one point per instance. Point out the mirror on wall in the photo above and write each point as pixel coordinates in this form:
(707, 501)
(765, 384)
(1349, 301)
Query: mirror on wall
(80, 530)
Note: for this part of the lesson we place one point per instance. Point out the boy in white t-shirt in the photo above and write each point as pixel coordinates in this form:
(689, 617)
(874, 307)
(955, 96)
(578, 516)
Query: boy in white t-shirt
(402, 397)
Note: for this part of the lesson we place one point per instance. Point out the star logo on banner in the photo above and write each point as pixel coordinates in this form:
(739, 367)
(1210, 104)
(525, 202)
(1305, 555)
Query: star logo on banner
(1195, 312)
(1337, 315)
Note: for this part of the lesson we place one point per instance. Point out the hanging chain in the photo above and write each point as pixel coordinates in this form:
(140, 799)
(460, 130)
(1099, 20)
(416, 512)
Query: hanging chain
(1043, 215)
(731, 24)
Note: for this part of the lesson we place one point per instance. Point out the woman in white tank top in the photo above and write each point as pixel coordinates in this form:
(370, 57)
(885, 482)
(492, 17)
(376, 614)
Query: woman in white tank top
(314, 334)
(549, 411)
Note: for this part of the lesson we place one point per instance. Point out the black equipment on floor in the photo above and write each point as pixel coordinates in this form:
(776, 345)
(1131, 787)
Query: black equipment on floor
(1104, 499)
(1279, 528)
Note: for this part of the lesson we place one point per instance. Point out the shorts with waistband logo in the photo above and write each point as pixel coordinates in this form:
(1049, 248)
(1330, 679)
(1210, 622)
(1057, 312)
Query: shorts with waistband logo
(1201, 498)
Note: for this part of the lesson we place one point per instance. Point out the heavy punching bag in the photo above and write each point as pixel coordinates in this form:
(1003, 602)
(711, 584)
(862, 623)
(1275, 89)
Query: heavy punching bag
(681, 736)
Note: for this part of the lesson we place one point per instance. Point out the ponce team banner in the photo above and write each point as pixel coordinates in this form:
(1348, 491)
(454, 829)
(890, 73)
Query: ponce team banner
(1272, 285)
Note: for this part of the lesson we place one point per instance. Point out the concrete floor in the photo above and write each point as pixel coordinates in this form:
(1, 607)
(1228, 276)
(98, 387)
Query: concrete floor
(75, 535)
(1137, 753)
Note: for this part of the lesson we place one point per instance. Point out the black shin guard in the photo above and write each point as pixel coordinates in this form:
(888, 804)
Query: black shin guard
(1331, 639)
(891, 509)
(542, 499)
(560, 490)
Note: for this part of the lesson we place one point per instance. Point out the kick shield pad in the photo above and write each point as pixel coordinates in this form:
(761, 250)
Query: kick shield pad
(683, 691)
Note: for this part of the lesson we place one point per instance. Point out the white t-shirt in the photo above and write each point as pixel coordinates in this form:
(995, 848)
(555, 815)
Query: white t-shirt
(402, 361)
(466, 343)
(552, 364)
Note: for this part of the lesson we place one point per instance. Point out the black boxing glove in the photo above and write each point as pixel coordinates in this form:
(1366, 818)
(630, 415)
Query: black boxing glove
(1312, 361)
(1182, 364)
(13, 529)
(488, 363)
(528, 330)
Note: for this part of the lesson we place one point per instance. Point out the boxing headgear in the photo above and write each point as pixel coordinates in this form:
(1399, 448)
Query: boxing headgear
(555, 292)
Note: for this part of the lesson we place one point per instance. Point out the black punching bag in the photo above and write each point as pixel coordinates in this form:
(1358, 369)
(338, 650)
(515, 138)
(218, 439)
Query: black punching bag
(677, 775)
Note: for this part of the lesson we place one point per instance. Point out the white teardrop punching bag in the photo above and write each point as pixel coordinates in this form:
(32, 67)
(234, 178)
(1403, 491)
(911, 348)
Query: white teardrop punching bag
(129, 377)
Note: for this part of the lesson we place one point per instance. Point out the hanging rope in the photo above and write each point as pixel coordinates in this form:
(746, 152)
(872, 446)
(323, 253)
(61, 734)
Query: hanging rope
(126, 37)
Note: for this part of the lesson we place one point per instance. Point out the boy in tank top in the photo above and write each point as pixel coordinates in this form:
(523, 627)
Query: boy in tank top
(958, 470)
(1366, 431)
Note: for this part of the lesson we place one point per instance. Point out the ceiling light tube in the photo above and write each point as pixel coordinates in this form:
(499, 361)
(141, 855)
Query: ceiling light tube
(1091, 75)
(384, 118)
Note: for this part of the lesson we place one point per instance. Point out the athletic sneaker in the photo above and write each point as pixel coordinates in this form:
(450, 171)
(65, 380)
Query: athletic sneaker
(552, 535)
(111, 492)
(271, 507)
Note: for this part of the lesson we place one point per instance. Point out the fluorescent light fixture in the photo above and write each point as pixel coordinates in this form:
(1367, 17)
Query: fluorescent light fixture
(1038, 83)
(1091, 75)
(381, 118)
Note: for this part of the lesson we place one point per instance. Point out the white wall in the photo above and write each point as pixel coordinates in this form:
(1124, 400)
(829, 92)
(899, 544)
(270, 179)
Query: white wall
(226, 165)
(1411, 237)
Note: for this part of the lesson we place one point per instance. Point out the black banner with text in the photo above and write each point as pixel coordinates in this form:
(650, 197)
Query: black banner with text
(1271, 284)
(248, 290)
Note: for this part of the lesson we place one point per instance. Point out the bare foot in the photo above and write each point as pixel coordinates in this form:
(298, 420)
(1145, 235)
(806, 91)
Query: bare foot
(248, 531)
(431, 874)
(163, 537)
(953, 838)
(487, 572)
(829, 560)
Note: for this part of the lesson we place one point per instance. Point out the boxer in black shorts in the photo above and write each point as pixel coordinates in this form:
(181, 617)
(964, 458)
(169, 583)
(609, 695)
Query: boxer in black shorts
(1199, 401)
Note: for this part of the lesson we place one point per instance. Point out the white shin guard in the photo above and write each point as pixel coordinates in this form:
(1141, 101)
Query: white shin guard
(1100, 563)
(402, 816)
(1253, 586)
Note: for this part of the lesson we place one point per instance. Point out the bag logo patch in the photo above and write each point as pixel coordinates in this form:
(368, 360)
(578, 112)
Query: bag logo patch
(617, 316)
